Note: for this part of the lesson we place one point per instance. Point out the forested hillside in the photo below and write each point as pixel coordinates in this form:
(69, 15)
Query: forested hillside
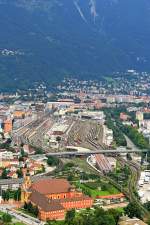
(49, 39)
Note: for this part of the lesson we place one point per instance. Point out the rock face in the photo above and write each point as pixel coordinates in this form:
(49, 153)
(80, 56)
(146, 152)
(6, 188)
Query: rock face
(46, 40)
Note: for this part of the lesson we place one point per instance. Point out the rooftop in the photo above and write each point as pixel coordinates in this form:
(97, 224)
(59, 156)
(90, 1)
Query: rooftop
(44, 203)
(51, 186)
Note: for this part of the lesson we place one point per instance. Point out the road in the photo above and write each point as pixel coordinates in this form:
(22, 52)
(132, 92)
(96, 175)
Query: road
(88, 152)
(130, 144)
(22, 217)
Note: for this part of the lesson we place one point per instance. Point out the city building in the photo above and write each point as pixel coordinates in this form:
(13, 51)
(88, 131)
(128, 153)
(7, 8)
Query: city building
(110, 199)
(6, 155)
(7, 126)
(103, 163)
(53, 197)
(107, 136)
(93, 115)
(123, 116)
(18, 114)
(139, 116)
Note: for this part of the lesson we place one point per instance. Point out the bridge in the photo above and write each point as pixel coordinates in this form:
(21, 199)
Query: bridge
(88, 152)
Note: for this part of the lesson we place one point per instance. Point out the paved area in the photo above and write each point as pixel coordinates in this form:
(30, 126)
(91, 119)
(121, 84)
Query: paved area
(24, 218)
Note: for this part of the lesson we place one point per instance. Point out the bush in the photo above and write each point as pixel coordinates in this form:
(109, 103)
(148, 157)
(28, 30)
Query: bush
(6, 218)
(52, 161)
(117, 133)
(31, 208)
(92, 185)
(133, 210)
(69, 165)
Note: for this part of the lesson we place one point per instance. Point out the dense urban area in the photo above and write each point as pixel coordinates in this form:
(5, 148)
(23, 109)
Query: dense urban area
(78, 154)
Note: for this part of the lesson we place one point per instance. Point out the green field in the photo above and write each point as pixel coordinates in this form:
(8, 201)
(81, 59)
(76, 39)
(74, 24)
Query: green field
(121, 210)
(1, 213)
(93, 191)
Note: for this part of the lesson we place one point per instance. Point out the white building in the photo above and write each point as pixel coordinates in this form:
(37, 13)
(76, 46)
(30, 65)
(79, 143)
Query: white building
(93, 115)
(139, 115)
(6, 155)
(107, 135)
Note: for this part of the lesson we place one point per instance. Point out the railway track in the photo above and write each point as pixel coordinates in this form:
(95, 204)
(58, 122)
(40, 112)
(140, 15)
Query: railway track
(129, 192)
(132, 184)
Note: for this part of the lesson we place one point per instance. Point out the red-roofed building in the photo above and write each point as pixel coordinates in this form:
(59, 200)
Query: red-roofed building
(7, 126)
(53, 197)
(111, 199)
(114, 196)
(12, 174)
(124, 116)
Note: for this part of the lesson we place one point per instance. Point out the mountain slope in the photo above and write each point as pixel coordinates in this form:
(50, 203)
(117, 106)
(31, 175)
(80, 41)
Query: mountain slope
(85, 38)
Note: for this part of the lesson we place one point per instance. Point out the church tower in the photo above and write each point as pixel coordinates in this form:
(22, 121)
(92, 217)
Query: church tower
(25, 189)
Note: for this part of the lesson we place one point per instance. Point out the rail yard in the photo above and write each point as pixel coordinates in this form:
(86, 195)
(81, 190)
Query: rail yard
(41, 140)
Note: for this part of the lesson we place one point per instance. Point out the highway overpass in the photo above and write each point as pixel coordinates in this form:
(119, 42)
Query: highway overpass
(87, 152)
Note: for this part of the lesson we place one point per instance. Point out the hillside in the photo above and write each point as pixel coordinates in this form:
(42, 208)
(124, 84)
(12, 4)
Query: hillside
(48, 39)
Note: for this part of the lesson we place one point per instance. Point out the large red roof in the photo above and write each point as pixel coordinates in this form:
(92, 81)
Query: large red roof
(51, 186)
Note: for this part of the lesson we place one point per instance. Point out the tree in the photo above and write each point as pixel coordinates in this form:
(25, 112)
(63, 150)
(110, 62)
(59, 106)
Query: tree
(52, 161)
(4, 195)
(29, 206)
(84, 176)
(21, 159)
(4, 174)
(107, 220)
(22, 152)
(17, 195)
(138, 139)
(58, 138)
(105, 187)
(70, 215)
(147, 205)
(115, 127)
(36, 211)
(99, 212)
(8, 141)
(116, 214)
(38, 151)
(69, 165)
(98, 216)
(70, 177)
(22, 144)
(129, 157)
(6, 218)
(132, 210)
(25, 206)
(102, 217)
(20, 173)
(7, 194)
